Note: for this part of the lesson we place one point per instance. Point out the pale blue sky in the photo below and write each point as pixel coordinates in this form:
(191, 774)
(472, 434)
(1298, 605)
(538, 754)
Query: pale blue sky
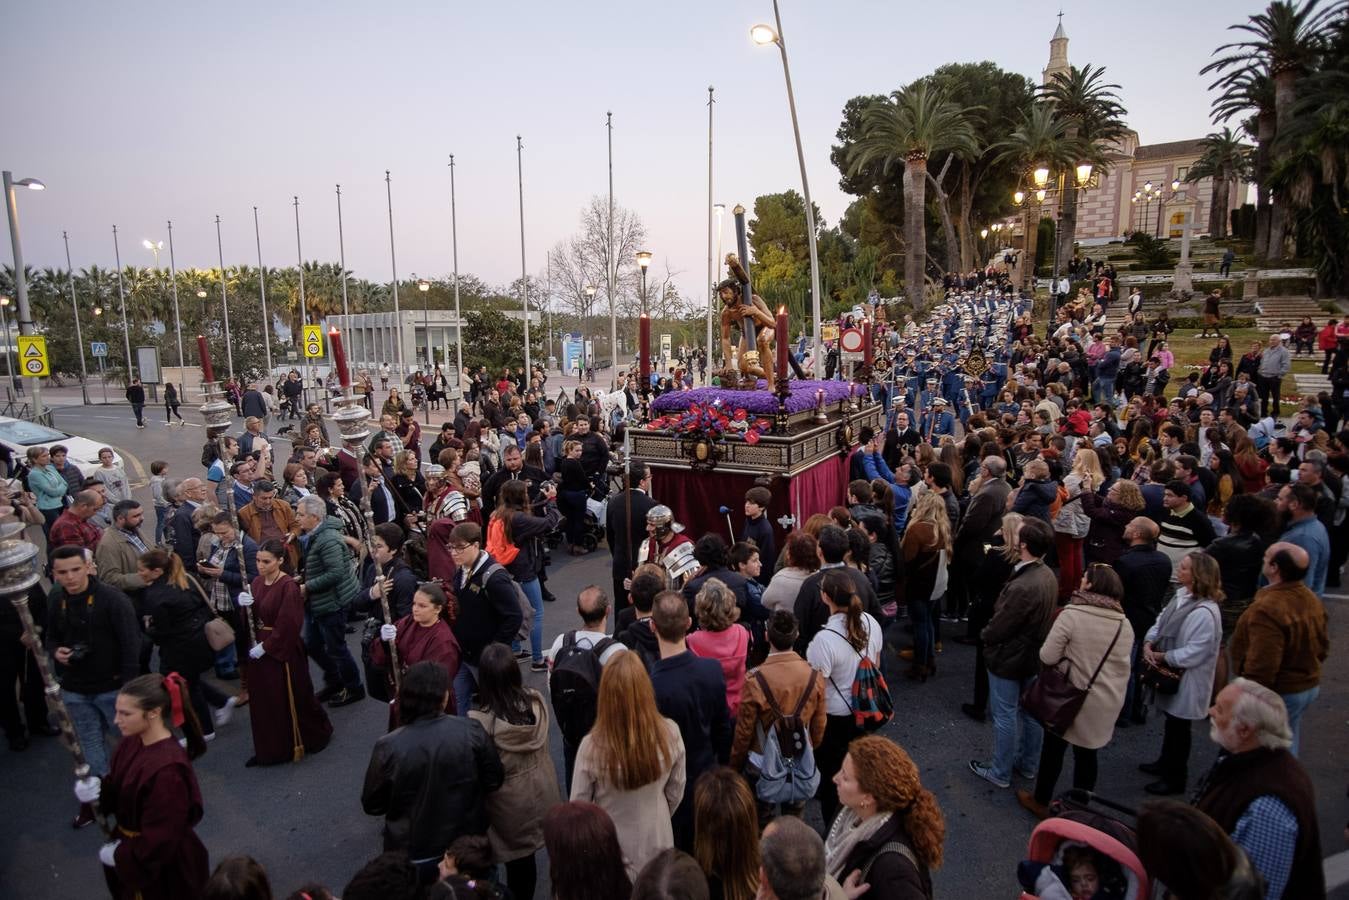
(137, 114)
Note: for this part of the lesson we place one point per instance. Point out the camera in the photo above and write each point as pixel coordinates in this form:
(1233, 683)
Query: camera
(77, 653)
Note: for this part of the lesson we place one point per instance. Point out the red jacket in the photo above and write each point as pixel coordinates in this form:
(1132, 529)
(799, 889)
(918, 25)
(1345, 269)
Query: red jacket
(1327, 339)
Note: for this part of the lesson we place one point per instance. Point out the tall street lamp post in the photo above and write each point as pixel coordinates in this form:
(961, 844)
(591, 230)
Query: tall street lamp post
(121, 296)
(764, 34)
(225, 299)
(586, 360)
(177, 321)
(458, 320)
(79, 338)
(25, 316)
(262, 292)
(524, 277)
(425, 287)
(393, 266)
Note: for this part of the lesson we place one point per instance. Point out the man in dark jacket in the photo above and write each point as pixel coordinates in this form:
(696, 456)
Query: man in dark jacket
(691, 691)
(625, 530)
(513, 468)
(811, 613)
(253, 403)
(983, 520)
(1012, 639)
(1145, 572)
(93, 635)
(634, 629)
(430, 778)
(488, 604)
(710, 551)
(329, 589)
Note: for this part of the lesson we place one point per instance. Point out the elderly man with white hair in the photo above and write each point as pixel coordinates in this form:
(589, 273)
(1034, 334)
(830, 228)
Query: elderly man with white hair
(1259, 793)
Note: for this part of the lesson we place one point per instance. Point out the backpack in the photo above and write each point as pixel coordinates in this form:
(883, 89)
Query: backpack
(526, 608)
(870, 702)
(575, 685)
(502, 550)
(787, 772)
(1055, 505)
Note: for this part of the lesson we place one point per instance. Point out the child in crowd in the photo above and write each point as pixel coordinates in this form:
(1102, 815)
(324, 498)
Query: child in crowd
(158, 470)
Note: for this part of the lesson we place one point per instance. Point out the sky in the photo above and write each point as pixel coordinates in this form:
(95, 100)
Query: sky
(187, 111)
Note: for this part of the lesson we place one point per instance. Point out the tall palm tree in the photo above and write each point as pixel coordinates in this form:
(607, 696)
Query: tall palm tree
(912, 124)
(1040, 140)
(1249, 93)
(1224, 159)
(1285, 43)
(1094, 119)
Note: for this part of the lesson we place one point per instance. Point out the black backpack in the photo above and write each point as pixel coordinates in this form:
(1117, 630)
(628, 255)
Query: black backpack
(575, 685)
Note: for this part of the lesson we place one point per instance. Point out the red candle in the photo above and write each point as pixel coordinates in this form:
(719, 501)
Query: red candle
(208, 374)
(340, 358)
(644, 351)
(780, 336)
(867, 349)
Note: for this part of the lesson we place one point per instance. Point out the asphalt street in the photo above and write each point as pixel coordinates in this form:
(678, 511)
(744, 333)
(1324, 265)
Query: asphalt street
(304, 821)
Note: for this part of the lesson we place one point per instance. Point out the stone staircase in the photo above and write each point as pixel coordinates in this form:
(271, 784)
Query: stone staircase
(1311, 384)
(1275, 313)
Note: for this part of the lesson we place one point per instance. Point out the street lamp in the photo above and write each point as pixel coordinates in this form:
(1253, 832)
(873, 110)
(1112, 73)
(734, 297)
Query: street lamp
(590, 290)
(20, 281)
(425, 287)
(154, 247)
(764, 34)
(643, 261)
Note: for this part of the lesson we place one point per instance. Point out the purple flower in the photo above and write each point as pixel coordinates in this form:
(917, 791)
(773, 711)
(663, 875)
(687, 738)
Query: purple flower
(801, 397)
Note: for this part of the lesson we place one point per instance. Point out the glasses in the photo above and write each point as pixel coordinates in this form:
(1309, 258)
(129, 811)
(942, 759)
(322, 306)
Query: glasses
(460, 548)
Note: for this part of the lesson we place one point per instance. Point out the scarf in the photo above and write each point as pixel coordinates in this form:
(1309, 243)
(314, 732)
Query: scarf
(846, 833)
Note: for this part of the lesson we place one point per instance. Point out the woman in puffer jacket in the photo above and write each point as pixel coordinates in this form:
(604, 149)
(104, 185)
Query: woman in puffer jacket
(1072, 522)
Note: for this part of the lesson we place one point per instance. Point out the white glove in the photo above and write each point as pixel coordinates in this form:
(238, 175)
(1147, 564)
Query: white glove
(256, 651)
(107, 854)
(388, 632)
(87, 789)
(245, 599)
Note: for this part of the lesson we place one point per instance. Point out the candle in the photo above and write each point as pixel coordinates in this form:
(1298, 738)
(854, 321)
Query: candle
(340, 358)
(644, 351)
(867, 348)
(208, 374)
(781, 337)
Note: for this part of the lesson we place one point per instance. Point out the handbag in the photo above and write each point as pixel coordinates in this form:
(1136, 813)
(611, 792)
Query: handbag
(1163, 679)
(1054, 699)
(219, 633)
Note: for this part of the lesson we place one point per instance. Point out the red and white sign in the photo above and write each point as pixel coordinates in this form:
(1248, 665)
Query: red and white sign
(850, 340)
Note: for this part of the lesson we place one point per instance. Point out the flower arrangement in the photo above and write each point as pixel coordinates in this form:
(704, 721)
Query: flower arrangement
(800, 398)
(712, 423)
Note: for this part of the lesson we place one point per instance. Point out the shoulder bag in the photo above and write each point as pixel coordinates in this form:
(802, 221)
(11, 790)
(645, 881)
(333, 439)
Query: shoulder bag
(219, 633)
(1054, 699)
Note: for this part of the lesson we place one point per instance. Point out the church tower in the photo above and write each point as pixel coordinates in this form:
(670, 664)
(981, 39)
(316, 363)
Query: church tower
(1058, 54)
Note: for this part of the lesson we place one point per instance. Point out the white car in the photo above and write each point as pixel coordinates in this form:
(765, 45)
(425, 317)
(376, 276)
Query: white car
(17, 435)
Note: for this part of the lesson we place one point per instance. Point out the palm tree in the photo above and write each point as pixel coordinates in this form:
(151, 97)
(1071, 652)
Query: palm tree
(1094, 119)
(1225, 158)
(1251, 91)
(1286, 42)
(912, 124)
(1040, 140)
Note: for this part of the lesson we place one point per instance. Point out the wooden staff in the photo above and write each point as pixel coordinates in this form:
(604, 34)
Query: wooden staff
(380, 588)
(51, 692)
(238, 539)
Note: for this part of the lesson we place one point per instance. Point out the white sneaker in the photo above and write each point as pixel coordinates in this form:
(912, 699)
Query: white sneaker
(225, 713)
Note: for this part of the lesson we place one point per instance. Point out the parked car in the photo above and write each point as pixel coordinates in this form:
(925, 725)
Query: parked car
(20, 434)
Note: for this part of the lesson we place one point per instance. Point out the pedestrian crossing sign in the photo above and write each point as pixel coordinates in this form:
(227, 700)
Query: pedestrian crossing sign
(313, 341)
(33, 356)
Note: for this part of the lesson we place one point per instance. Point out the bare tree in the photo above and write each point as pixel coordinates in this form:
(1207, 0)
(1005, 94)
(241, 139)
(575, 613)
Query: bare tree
(585, 259)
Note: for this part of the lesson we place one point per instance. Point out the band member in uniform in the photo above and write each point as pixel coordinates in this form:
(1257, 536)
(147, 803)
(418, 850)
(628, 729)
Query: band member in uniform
(152, 791)
(288, 721)
(667, 547)
(938, 422)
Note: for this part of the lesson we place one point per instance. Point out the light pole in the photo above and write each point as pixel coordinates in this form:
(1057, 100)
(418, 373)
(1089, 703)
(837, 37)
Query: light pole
(611, 264)
(262, 292)
(425, 287)
(393, 265)
(98, 312)
(711, 270)
(224, 299)
(20, 277)
(524, 277)
(304, 309)
(121, 296)
(764, 34)
(643, 263)
(79, 338)
(720, 210)
(154, 247)
(177, 320)
(586, 357)
(342, 257)
(458, 322)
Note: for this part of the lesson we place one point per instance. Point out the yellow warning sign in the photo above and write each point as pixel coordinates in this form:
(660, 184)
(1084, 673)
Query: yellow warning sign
(313, 341)
(33, 356)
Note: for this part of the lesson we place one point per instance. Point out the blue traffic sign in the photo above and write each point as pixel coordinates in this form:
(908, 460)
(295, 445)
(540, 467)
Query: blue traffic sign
(98, 348)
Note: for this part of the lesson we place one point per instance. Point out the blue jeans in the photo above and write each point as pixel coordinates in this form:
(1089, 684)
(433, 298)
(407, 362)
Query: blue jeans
(1004, 702)
(92, 715)
(161, 519)
(465, 680)
(1132, 699)
(924, 633)
(1103, 391)
(326, 642)
(1297, 704)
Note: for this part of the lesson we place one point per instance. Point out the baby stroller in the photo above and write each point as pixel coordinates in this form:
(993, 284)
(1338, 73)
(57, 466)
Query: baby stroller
(1110, 842)
(591, 535)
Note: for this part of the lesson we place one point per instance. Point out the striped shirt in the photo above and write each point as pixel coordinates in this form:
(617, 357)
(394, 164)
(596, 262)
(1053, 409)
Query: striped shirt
(1181, 531)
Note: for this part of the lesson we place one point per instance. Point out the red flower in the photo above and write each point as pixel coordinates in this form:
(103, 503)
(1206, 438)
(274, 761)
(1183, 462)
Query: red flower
(762, 424)
(751, 437)
(741, 415)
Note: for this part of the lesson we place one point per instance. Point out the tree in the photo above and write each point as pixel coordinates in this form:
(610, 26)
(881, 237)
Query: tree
(777, 236)
(493, 340)
(1094, 120)
(1041, 139)
(586, 259)
(1224, 159)
(1285, 44)
(912, 124)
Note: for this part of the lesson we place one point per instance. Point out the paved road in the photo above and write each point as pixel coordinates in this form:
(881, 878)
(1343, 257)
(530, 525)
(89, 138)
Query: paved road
(304, 821)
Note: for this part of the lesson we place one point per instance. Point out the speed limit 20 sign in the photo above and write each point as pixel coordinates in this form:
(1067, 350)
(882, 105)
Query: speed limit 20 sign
(313, 341)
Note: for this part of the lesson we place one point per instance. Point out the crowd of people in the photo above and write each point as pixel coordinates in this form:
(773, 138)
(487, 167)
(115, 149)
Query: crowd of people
(1154, 557)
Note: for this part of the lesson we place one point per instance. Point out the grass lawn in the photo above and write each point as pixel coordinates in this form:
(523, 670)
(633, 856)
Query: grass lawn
(1192, 350)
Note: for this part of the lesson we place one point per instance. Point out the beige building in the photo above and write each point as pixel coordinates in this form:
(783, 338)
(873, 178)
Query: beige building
(1108, 210)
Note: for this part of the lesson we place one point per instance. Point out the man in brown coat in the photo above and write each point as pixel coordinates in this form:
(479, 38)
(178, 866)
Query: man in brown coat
(788, 677)
(1280, 640)
(266, 517)
(1012, 638)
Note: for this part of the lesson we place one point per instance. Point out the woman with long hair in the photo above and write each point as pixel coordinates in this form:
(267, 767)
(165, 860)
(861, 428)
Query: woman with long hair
(408, 480)
(925, 550)
(632, 762)
(1109, 514)
(836, 651)
(296, 486)
(585, 859)
(1185, 637)
(421, 635)
(152, 792)
(950, 454)
(572, 492)
(719, 637)
(890, 828)
(801, 558)
(393, 404)
(1093, 635)
(178, 615)
(726, 834)
(513, 525)
(171, 404)
(516, 719)
(1230, 481)
(1249, 462)
(1072, 523)
(288, 721)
